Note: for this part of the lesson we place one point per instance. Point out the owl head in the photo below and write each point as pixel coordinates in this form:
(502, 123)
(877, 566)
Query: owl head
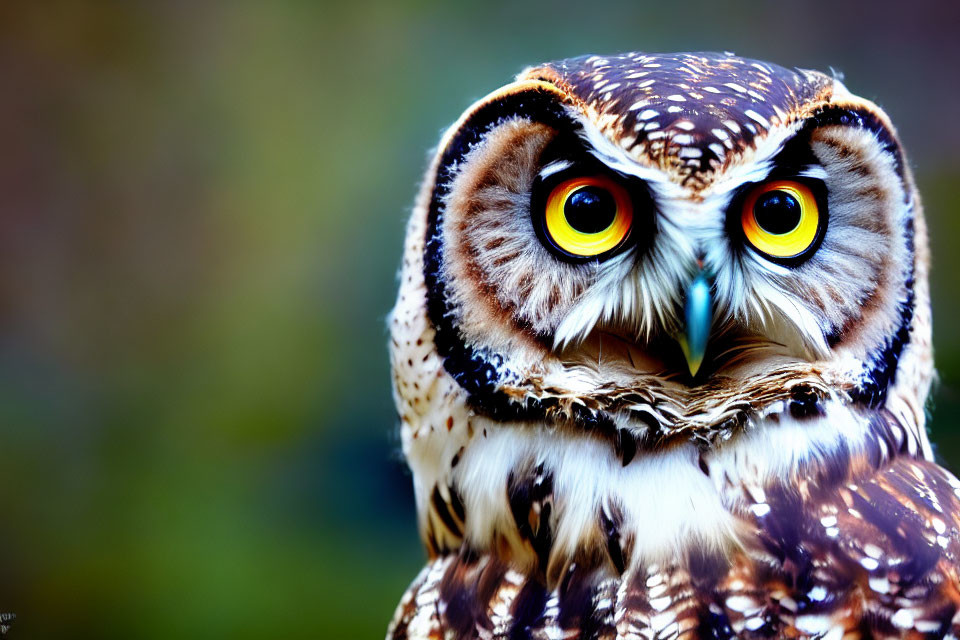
(653, 250)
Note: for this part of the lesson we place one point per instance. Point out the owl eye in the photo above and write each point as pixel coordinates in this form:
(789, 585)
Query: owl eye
(586, 217)
(782, 220)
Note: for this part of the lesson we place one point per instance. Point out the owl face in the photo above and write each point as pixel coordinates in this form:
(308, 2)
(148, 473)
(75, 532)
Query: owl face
(661, 236)
(662, 344)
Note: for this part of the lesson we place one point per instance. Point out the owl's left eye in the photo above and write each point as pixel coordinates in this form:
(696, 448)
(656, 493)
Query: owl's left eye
(586, 217)
(782, 220)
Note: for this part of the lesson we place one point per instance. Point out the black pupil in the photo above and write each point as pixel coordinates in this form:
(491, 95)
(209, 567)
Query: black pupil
(777, 212)
(590, 209)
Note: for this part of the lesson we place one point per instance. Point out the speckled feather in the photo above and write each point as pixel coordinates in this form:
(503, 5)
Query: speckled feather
(689, 113)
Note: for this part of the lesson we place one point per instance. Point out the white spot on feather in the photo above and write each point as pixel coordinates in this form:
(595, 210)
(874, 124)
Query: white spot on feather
(753, 115)
(902, 619)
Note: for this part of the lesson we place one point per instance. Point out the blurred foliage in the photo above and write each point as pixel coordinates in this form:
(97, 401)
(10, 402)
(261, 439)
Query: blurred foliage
(201, 213)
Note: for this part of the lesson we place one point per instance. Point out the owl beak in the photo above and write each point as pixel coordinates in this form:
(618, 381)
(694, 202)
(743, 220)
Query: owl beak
(698, 316)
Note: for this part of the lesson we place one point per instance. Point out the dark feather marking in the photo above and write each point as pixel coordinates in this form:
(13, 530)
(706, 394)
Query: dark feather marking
(625, 446)
(872, 443)
(468, 555)
(704, 466)
(833, 115)
(902, 527)
(528, 495)
(874, 625)
(468, 594)
(457, 504)
(805, 402)
(834, 467)
(576, 606)
(610, 526)
(790, 532)
(635, 598)
(440, 506)
(706, 567)
(528, 610)
(714, 625)
(880, 431)
(821, 563)
(594, 625)
(543, 537)
(400, 631)
(430, 536)
(518, 494)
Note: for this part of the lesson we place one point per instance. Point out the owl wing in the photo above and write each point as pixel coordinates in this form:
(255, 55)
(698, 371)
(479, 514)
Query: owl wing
(876, 558)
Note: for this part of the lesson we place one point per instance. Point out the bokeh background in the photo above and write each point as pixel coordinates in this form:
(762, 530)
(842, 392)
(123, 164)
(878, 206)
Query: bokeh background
(201, 214)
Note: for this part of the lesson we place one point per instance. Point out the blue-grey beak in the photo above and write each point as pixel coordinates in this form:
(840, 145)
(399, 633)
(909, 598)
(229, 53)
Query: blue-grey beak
(698, 316)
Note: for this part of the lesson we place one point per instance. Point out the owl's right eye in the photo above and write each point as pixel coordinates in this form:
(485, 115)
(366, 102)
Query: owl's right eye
(586, 217)
(782, 220)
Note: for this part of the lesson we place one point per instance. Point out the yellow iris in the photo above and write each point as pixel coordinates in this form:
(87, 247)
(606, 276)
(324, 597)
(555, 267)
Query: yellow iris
(607, 201)
(781, 218)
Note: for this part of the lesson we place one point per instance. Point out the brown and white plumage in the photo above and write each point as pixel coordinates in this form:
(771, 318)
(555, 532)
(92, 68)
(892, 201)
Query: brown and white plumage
(573, 478)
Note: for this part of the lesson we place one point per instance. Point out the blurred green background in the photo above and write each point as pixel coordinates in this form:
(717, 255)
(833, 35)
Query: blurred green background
(201, 215)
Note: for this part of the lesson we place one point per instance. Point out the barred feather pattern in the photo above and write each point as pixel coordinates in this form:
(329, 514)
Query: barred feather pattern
(859, 557)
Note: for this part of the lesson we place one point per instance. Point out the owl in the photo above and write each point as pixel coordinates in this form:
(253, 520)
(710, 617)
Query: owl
(660, 356)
